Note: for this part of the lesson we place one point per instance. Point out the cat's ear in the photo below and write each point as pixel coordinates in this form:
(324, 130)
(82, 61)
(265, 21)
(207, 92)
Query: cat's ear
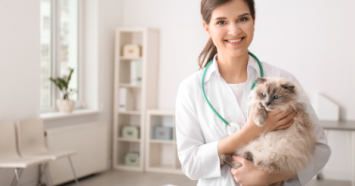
(289, 87)
(261, 80)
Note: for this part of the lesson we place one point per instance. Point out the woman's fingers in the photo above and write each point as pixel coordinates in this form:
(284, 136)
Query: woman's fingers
(287, 118)
(284, 114)
(285, 126)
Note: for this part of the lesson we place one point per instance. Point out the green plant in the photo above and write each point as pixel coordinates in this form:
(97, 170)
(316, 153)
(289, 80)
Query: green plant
(63, 84)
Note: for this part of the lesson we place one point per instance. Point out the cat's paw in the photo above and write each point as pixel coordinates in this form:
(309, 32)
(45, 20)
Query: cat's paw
(259, 121)
(248, 155)
(228, 159)
(260, 115)
(235, 165)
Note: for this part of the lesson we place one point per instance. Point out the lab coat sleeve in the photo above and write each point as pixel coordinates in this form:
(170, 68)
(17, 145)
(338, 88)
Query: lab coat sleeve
(198, 159)
(322, 151)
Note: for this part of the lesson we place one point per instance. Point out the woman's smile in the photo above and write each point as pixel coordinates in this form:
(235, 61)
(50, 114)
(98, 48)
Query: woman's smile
(234, 42)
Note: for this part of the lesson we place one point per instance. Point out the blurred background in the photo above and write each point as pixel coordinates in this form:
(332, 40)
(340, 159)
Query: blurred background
(39, 39)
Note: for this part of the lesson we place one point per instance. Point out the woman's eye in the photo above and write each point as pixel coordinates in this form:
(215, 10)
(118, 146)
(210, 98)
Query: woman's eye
(243, 19)
(220, 22)
(264, 95)
(276, 97)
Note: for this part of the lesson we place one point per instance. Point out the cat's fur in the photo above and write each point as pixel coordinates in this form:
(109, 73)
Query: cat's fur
(282, 151)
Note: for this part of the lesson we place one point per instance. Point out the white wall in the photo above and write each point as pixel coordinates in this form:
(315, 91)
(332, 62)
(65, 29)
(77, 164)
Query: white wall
(20, 66)
(311, 39)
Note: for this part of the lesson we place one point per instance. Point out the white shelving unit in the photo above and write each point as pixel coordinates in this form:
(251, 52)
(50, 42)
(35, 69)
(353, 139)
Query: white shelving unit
(145, 95)
(161, 155)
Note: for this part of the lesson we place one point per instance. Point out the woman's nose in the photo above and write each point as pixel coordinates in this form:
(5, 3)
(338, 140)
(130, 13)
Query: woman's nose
(234, 30)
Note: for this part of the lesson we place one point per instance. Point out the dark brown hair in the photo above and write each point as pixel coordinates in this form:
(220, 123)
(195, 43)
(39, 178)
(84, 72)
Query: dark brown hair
(207, 6)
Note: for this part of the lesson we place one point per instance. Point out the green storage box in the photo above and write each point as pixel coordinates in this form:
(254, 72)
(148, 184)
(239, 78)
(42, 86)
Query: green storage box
(132, 159)
(130, 132)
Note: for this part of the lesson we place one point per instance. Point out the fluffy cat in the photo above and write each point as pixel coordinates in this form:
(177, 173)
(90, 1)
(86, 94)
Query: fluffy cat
(282, 151)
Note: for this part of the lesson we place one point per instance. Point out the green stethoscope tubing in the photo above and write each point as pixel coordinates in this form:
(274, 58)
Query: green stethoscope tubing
(203, 84)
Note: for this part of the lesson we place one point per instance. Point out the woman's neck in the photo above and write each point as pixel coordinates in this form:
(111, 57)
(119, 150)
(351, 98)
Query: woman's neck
(233, 69)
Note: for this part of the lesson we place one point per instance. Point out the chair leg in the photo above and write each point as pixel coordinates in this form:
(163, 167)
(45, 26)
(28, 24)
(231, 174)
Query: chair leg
(42, 172)
(45, 175)
(46, 169)
(49, 175)
(72, 168)
(17, 177)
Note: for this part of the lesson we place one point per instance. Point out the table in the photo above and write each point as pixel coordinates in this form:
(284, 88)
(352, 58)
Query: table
(349, 128)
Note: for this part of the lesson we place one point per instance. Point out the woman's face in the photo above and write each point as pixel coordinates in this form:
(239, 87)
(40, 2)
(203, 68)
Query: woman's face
(231, 28)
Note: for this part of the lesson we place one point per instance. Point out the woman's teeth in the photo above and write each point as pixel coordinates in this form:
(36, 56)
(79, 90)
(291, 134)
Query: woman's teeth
(234, 41)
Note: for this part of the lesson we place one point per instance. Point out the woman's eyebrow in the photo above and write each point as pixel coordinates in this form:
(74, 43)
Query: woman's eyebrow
(220, 18)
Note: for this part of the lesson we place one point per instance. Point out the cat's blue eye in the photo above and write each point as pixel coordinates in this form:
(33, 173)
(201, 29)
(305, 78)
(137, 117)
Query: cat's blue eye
(264, 95)
(276, 97)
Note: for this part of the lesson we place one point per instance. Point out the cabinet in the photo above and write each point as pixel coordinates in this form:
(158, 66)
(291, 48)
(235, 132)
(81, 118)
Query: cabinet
(144, 94)
(161, 155)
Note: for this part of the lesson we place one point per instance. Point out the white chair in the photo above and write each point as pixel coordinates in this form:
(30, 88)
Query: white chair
(9, 157)
(31, 143)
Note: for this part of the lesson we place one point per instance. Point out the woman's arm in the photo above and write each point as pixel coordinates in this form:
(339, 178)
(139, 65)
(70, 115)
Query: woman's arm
(276, 120)
(198, 159)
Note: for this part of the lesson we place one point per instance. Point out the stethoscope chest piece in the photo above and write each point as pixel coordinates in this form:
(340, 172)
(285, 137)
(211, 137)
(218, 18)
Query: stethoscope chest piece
(232, 128)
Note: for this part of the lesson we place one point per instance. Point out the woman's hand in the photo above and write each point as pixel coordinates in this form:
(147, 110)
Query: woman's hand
(248, 174)
(276, 120)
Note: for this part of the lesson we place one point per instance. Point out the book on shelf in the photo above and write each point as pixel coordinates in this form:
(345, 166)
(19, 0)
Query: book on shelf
(125, 99)
(136, 72)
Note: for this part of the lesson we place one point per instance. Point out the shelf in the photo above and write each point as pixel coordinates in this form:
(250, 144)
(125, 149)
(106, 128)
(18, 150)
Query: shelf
(129, 140)
(130, 112)
(161, 112)
(140, 96)
(128, 168)
(130, 58)
(163, 141)
(127, 85)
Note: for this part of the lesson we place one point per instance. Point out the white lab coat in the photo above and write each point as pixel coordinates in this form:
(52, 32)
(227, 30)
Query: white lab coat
(198, 129)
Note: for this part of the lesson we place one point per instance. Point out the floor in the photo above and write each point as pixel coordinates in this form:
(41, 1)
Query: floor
(122, 178)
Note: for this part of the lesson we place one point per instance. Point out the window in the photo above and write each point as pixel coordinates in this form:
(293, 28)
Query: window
(59, 48)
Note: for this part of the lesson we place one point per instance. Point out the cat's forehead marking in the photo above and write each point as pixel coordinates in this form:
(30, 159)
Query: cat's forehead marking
(271, 88)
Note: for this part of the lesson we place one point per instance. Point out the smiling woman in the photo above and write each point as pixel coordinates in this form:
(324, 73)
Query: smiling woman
(220, 22)
(201, 135)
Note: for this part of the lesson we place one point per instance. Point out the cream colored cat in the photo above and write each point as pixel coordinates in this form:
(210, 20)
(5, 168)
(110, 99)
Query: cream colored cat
(282, 151)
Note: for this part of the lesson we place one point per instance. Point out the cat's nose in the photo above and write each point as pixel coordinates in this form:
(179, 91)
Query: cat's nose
(268, 103)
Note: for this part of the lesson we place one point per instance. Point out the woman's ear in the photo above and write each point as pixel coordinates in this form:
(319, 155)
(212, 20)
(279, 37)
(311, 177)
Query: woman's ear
(207, 28)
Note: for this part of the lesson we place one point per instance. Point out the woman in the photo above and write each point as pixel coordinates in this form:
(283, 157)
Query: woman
(201, 135)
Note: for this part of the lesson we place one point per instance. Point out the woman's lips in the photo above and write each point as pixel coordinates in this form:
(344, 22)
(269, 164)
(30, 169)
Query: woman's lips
(235, 42)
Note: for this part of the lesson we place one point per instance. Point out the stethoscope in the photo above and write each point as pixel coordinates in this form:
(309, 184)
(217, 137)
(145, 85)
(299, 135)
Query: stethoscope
(232, 127)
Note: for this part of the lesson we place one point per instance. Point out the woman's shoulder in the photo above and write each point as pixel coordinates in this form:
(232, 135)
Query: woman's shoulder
(273, 71)
(192, 80)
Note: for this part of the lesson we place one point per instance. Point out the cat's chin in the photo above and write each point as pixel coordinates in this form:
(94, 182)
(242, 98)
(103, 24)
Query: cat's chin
(269, 109)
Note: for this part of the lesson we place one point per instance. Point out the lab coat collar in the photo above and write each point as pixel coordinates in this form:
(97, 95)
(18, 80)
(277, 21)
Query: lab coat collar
(252, 63)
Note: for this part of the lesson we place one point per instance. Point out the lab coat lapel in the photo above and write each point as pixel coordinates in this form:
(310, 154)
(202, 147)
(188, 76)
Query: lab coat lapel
(224, 101)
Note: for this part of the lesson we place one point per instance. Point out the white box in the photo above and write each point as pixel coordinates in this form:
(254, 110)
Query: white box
(136, 72)
(131, 50)
(125, 100)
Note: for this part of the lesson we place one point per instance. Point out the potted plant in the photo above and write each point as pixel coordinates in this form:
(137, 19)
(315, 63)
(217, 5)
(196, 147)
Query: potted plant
(64, 105)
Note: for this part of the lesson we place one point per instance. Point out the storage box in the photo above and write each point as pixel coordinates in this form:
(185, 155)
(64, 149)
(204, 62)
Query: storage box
(126, 101)
(163, 133)
(130, 132)
(130, 50)
(136, 72)
(132, 159)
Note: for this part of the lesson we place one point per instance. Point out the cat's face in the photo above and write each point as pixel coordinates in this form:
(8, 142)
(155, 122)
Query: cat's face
(275, 92)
